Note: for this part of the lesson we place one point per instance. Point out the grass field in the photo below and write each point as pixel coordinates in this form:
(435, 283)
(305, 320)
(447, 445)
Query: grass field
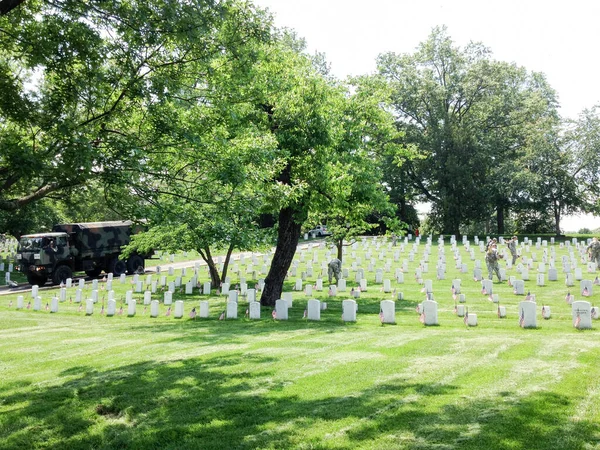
(70, 380)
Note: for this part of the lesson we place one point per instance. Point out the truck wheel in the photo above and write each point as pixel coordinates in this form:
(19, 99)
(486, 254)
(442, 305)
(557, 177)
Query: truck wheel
(117, 267)
(134, 263)
(94, 272)
(61, 273)
(36, 278)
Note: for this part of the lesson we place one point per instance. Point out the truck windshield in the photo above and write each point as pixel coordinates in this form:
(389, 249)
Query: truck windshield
(30, 244)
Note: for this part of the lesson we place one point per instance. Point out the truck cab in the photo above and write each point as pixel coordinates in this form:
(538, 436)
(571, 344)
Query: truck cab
(40, 255)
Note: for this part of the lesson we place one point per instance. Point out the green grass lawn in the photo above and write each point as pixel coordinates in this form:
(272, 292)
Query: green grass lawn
(69, 380)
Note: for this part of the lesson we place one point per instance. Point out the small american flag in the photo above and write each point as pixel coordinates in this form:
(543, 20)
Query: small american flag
(568, 298)
(121, 310)
(193, 313)
(594, 312)
(577, 322)
(222, 316)
(274, 314)
(466, 318)
(28, 305)
(102, 310)
(10, 304)
(455, 308)
(453, 290)
(422, 318)
(528, 296)
(585, 292)
(47, 306)
(381, 315)
(80, 308)
(455, 297)
(168, 313)
(145, 308)
(499, 311)
(483, 291)
(305, 315)
(522, 319)
(247, 312)
(596, 280)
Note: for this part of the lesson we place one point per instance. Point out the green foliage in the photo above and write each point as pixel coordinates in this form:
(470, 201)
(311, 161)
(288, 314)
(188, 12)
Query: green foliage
(466, 114)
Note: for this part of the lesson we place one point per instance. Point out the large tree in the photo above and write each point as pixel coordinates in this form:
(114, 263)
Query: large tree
(462, 110)
(80, 82)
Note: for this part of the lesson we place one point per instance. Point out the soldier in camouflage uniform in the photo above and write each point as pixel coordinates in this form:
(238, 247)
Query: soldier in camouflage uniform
(512, 246)
(334, 268)
(594, 251)
(491, 259)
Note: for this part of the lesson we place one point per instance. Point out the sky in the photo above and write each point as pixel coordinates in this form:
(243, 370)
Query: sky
(557, 38)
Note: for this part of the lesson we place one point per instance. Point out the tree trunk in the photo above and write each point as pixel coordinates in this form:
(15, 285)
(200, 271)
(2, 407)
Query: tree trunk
(226, 263)
(288, 237)
(500, 217)
(215, 278)
(557, 220)
(340, 249)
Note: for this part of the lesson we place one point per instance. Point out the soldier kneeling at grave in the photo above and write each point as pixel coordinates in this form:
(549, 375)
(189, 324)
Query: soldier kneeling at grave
(334, 269)
(491, 259)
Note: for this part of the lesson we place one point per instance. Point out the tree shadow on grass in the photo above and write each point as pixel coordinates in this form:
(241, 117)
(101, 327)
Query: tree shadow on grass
(205, 403)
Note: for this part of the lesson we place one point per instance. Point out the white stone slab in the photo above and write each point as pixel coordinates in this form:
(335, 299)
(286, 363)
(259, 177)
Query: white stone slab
(178, 311)
(89, 307)
(349, 311)
(204, 309)
(254, 310)
(430, 312)
(131, 306)
(581, 314)
(388, 311)
(168, 298)
(111, 308)
(527, 314)
(281, 310)
(314, 309)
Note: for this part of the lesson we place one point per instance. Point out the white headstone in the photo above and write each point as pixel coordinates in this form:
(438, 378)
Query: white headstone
(111, 308)
(154, 308)
(430, 312)
(178, 311)
(314, 309)
(147, 297)
(527, 314)
(254, 310)
(552, 274)
(519, 287)
(131, 308)
(581, 314)
(281, 310)
(204, 309)
(168, 298)
(54, 305)
(388, 311)
(89, 307)
(349, 311)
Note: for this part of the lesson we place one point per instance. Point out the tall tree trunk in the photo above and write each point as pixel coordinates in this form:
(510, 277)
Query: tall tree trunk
(500, 216)
(288, 237)
(215, 278)
(226, 263)
(557, 219)
(340, 248)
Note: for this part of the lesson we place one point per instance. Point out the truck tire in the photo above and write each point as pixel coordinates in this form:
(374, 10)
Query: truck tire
(61, 273)
(94, 272)
(134, 263)
(117, 267)
(36, 278)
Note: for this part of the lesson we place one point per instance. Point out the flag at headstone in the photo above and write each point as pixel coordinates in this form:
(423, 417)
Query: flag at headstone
(28, 305)
(305, 315)
(47, 306)
(455, 308)
(381, 317)
(577, 320)
(453, 289)
(528, 296)
(222, 316)
(168, 313)
(274, 314)
(522, 318)
(193, 313)
(466, 318)
(569, 298)
(499, 315)
(102, 310)
(585, 292)
(422, 317)
(121, 310)
(10, 304)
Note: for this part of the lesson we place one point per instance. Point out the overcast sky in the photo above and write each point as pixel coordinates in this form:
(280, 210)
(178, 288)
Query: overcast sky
(560, 39)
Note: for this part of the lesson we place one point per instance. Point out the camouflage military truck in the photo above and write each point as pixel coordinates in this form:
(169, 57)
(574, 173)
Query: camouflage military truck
(76, 247)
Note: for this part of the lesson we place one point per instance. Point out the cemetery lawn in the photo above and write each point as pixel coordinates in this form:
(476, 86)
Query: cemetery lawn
(74, 381)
